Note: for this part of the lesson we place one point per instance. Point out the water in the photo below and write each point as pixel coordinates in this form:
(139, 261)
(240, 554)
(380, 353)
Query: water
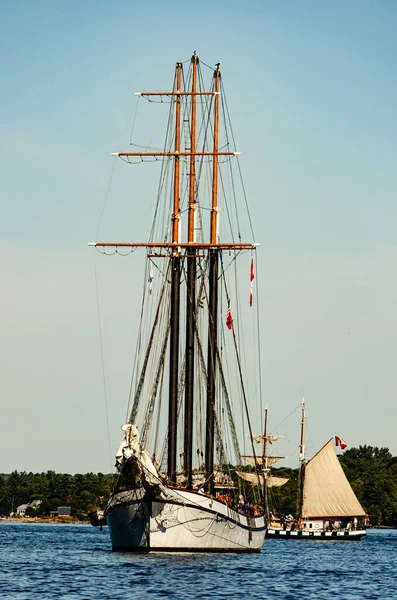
(62, 562)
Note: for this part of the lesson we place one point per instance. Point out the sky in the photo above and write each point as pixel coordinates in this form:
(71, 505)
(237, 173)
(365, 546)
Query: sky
(312, 92)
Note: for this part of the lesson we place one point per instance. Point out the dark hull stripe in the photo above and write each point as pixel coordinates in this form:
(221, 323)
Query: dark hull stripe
(191, 550)
(346, 537)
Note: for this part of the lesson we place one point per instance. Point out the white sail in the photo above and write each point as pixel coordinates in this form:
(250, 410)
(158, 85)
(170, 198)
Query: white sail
(271, 481)
(326, 491)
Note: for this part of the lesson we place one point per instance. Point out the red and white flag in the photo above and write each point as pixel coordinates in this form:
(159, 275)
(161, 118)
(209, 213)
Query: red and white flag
(341, 443)
(229, 318)
(252, 277)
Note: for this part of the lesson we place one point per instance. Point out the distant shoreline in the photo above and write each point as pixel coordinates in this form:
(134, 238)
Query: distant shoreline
(64, 520)
(74, 521)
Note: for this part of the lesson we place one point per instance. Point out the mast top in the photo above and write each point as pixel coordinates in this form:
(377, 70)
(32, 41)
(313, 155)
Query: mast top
(192, 156)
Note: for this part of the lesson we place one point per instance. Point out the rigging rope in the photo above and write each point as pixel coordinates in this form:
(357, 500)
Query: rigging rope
(105, 199)
(134, 119)
(241, 378)
(103, 371)
(238, 162)
(134, 410)
(150, 408)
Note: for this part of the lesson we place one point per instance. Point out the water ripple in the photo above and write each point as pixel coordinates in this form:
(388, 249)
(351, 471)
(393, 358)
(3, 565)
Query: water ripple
(75, 562)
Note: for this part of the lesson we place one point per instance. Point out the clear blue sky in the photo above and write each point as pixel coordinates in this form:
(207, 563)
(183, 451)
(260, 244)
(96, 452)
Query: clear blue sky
(312, 91)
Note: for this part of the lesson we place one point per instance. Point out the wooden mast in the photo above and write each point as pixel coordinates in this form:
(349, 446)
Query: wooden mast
(302, 464)
(176, 214)
(175, 299)
(214, 208)
(192, 174)
(212, 304)
(265, 469)
(191, 290)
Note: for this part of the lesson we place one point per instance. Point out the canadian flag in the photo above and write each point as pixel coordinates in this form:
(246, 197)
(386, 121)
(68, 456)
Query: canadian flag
(229, 318)
(341, 443)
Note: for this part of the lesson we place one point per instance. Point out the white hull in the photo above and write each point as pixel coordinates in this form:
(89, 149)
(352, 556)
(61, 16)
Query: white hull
(185, 521)
(307, 534)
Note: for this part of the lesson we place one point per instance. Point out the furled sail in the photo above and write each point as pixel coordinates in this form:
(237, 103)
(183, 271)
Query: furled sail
(326, 491)
(276, 481)
(269, 438)
(130, 449)
(258, 460)
(271, 481)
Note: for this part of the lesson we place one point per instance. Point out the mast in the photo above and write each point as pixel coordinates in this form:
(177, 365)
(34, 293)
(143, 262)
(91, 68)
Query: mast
(301, 464)
(212, 303)
(265, 469)
(191, 290)
(175, 298)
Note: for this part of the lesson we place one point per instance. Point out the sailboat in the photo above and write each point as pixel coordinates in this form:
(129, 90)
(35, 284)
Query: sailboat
(176, 488)
(327, 507)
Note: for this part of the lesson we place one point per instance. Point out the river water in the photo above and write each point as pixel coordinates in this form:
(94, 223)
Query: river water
(47, 561)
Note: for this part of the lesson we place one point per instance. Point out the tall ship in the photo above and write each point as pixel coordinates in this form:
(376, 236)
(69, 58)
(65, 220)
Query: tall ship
(327, 507)
(177, 488)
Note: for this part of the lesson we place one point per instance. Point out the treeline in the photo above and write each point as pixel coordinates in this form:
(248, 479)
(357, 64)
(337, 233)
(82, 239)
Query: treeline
(372, 473)
(82, 493)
